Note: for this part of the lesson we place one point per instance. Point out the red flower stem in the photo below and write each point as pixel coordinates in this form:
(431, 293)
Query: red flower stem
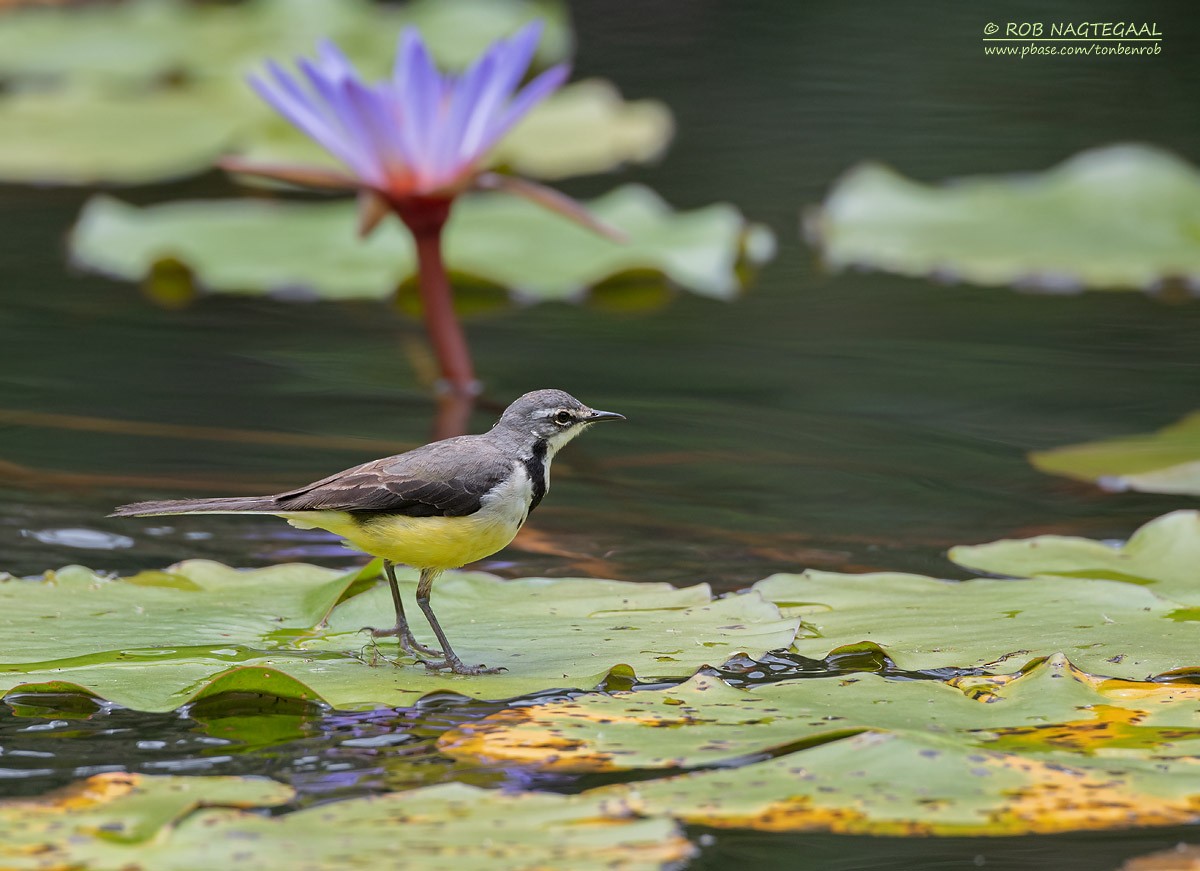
(426, 219)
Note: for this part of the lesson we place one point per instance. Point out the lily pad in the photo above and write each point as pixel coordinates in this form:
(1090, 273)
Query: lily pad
(1104, 627)
(452, 826)
(561, 633)
(1163, 556)
(584, 128)
(1124, 217)
(145, 41)
(127, 809)
(140, 91)
(904, 784)
(1049, 706)
(75, 613)
(1167, 461)
(255, 246)
(73, 137)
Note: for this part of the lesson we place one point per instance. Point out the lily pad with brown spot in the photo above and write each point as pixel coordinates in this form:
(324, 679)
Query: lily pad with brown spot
(1049, 706)
(1105, 627)
(905, 784)
(116, 808)
(452, 827)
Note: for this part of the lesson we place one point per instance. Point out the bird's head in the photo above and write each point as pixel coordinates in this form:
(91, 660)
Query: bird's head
(553, 416)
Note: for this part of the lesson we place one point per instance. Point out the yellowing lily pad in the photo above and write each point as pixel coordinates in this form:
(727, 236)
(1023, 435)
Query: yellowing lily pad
(1124, 217)
(905, 784)
(1050, 706)
(255, 246)
(127, 809)
(1163, 556)
(156, 648)
(1167, 461)
(442, 827)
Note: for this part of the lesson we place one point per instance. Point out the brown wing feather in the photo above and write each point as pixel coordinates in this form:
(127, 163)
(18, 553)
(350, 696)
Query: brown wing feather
(444, 479)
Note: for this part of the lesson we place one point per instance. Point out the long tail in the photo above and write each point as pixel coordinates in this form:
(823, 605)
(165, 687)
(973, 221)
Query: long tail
(230, 505)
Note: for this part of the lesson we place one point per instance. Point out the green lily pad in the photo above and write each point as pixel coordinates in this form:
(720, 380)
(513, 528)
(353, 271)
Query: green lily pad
(75, 613)
(1167, 461)
(584, 128)
(1163, 555)
(255, 246)
(905, 784)
(1124, 217)
(1050, 706)
(125, 43)
(1104, 627)
(74, 137)
(156, 648)
(144, 41)
(140, 91)
(452, 826)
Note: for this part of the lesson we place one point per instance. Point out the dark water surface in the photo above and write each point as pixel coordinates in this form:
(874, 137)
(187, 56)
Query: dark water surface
(844, 422)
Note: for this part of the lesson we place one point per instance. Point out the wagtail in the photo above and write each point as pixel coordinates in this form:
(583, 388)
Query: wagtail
(438, 507)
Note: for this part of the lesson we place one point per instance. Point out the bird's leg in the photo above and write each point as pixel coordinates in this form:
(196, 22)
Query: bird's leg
(400, 631)
(450, 660)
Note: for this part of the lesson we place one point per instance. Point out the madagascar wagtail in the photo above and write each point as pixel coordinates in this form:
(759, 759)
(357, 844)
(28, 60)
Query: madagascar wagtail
(438, 507)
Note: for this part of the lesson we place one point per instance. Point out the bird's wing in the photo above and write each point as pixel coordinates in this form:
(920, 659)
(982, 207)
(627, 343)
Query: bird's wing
(443, 479)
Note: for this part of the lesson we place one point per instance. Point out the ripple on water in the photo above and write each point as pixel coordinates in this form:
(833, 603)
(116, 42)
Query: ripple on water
(78, 537)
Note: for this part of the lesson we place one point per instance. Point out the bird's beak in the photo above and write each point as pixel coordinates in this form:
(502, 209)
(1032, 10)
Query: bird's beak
(594, 416)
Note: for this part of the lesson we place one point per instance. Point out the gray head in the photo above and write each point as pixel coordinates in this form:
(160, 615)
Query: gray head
(553, 416)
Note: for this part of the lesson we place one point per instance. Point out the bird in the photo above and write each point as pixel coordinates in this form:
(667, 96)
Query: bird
(434, 508)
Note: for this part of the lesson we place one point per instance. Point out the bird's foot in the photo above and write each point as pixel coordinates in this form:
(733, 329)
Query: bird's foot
(457, 666)
(407, 641)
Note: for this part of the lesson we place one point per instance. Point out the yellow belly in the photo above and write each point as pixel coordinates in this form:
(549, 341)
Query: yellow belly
(420, 542)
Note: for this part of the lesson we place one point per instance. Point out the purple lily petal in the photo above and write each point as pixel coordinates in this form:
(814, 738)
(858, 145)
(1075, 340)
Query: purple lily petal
(294, 105)
(514, 61)
(532, 94)
(419, 132)
(350, 127)
(333, 63)
(421, 92)
(448, 149)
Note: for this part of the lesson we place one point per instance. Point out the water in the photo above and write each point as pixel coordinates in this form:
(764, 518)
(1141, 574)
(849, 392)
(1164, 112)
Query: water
(846, 422)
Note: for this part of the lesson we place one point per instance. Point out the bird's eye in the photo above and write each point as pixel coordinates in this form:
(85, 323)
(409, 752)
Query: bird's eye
(563, 418)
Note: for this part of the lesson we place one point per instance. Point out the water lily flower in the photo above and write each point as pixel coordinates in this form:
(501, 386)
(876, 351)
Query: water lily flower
(410, 144)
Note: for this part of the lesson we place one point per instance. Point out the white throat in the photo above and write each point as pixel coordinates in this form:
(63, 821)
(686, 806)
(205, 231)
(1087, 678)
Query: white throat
(556, 442)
